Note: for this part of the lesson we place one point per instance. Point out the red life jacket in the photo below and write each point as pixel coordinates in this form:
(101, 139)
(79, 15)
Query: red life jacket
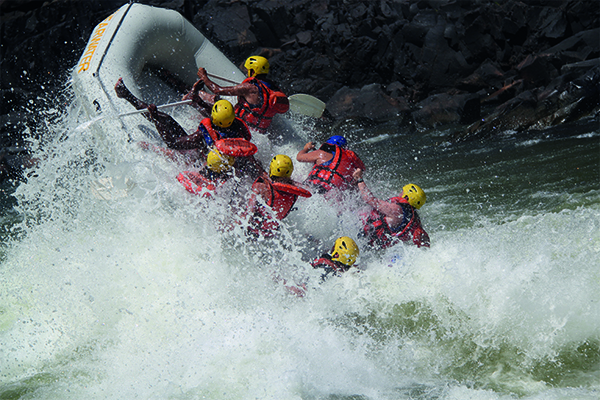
(202, 183)
(280, 200)
(259, 116)
(237, 129)
(381, 236)
(236, 147)
(338, 172)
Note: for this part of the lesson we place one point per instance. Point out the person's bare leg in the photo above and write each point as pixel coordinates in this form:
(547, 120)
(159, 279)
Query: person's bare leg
(124, 93)
(167, 127)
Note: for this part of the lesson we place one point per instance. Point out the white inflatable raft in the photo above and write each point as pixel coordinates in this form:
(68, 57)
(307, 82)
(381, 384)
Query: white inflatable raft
(133, 43)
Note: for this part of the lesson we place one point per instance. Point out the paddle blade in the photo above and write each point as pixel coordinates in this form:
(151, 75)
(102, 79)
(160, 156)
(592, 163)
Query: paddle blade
(236, 147)
(307, 105)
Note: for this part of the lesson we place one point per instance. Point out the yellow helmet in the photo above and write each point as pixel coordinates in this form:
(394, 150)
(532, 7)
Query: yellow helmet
(414, 194)
(222, 114)
(345, 251)
(257, 65)
(217, 162)
(281, 166)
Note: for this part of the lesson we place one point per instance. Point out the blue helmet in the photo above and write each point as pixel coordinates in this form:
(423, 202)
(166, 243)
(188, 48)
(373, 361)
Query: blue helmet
(337, 140)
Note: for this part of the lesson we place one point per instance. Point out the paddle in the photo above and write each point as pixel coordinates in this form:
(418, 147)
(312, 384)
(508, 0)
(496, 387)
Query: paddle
(306, 104)
(90, 122)
(299, 103)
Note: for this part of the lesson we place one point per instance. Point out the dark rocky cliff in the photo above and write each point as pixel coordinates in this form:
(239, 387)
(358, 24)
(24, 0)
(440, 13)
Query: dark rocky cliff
(485, 65)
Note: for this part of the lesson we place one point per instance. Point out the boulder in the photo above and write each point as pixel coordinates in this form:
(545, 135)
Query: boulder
(488, 76)
(564, 100)
(537, 70)
(368, 102)
(579, 47)
(231, 27)
(444, 109)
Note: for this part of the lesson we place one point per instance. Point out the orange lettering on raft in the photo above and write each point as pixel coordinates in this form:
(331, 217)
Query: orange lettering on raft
(91, 48)
(88, 54)
(83, 67)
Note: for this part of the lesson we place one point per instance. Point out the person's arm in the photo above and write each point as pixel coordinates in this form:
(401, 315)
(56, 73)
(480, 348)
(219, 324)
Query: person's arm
(187, 142)
(201, 100)
(193, 141)
(259, 188)
(245, 90)
(305, 154)
(309, 155)
(385, 207)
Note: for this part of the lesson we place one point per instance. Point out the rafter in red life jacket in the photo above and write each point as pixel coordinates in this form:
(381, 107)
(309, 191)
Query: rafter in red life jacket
(328, 176)
(272, 102)
(280, 200)
(215, 134)
(381, 235)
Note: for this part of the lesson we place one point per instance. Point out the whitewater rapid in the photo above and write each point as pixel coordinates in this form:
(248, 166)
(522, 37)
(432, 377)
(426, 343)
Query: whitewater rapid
(147, 296)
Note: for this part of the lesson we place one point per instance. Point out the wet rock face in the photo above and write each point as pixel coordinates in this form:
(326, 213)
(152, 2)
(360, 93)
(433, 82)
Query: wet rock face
(431, 62)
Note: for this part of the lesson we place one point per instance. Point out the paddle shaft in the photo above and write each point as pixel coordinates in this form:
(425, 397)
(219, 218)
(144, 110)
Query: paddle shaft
(90, 122)
(223, 79)
(175, 104)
